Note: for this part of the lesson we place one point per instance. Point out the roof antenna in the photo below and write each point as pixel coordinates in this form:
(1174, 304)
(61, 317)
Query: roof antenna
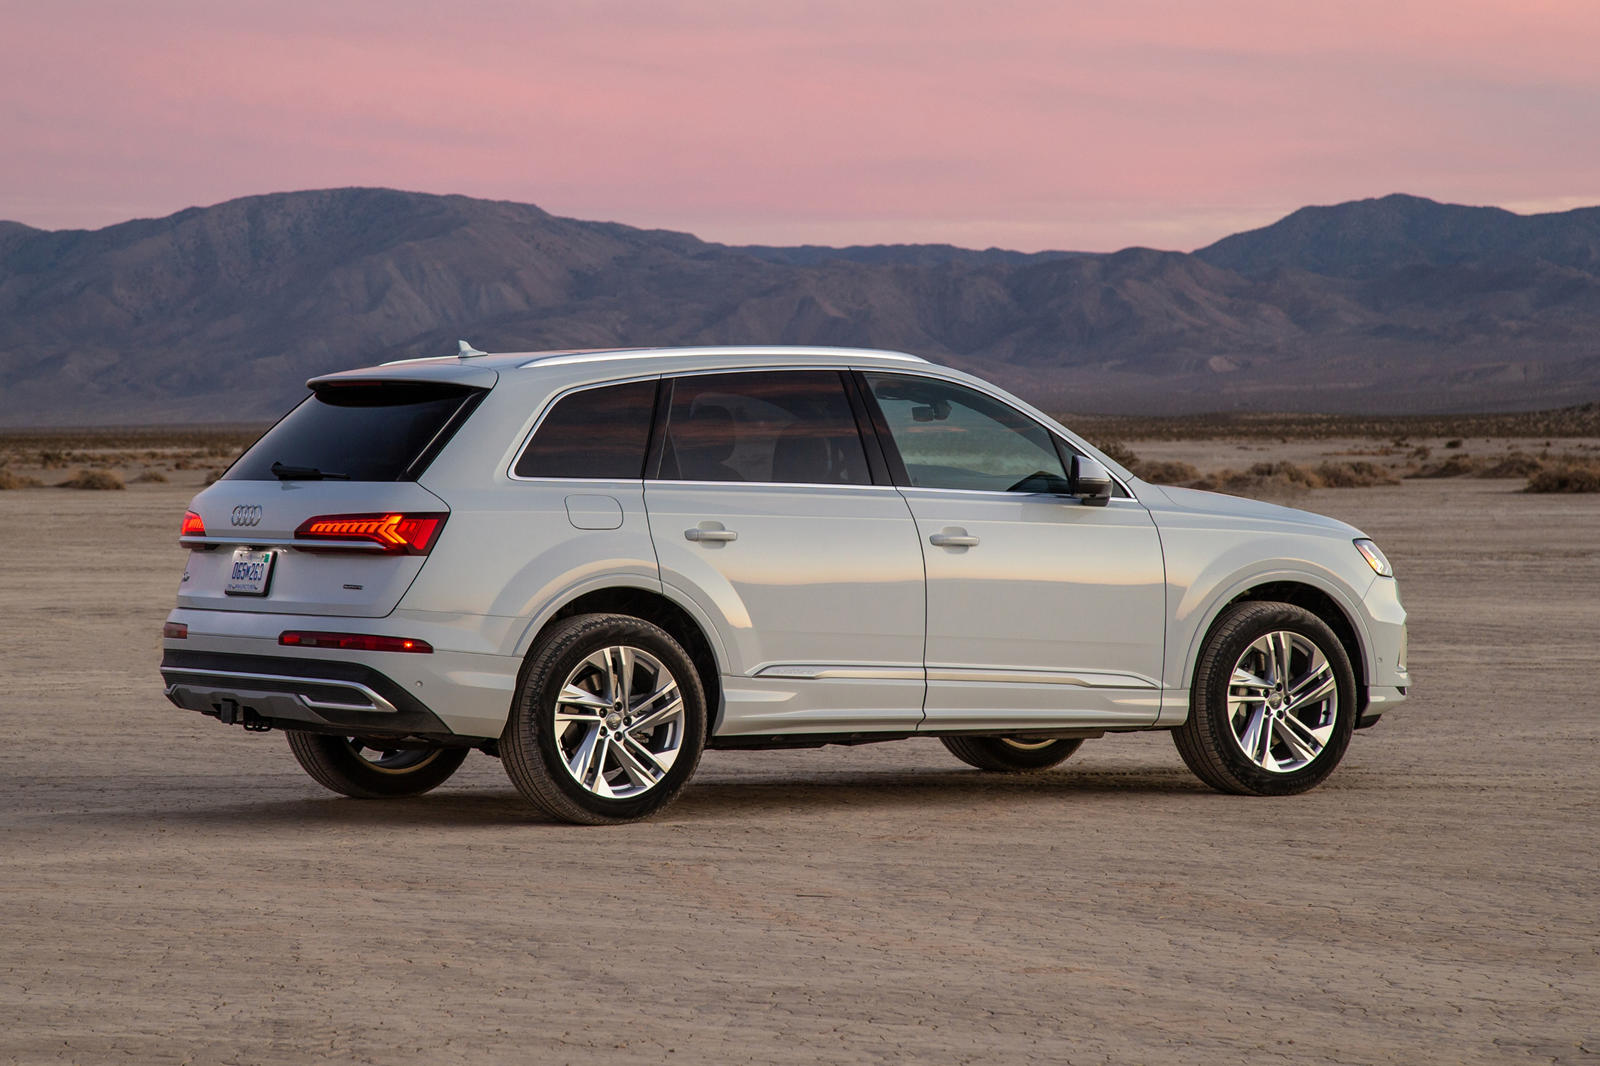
(467, 351)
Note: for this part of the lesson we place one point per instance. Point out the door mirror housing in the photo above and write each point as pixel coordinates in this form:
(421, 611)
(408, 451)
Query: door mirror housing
(1090, 481)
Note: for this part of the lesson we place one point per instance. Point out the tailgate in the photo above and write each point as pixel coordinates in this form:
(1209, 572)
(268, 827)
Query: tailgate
(253, 523)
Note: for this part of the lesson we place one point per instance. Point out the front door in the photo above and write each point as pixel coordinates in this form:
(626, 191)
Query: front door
(1042, 611)
(764, 514)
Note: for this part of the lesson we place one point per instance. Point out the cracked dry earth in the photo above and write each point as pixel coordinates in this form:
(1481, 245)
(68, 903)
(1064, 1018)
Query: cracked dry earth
(173, 890)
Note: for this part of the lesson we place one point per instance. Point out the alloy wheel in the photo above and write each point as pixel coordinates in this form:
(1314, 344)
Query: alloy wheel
(619, 722)
(1282, 702)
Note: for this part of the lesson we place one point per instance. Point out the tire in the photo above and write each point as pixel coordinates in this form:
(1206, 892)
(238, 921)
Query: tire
(573, 744)
(1009, 755)
(1256, 728)
(364, 768)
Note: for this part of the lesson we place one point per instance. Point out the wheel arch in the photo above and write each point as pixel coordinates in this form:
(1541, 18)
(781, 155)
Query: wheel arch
(658, 610)
(1310, 597)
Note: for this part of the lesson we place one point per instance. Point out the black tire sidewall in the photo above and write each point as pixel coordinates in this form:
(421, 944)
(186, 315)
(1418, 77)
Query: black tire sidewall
(330, 761)
(995, 755)
(1223, 650)
(536, 708)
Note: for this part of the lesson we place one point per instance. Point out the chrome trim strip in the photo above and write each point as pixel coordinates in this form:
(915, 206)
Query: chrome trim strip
(813, 672)
(1081, 679)
(379, 704)
(280, 542)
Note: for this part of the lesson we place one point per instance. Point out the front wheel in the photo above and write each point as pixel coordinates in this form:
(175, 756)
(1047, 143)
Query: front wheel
(373, 768)
(1273, 703)
(608, 723)
(1011, 755)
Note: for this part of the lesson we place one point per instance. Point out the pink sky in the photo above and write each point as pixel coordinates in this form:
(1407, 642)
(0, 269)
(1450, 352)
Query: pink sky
(1005, 122)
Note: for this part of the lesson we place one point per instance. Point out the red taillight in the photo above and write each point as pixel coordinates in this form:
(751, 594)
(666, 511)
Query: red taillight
(396, 534)
(297, 638)
(175, 631)
(192, 526)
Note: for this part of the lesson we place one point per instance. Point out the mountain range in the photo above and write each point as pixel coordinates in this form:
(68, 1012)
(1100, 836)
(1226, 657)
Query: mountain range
(1397, 304)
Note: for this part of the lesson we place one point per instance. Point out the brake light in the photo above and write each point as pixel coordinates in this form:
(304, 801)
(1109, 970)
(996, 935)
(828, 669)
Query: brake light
(192, 526)
(396, 534)
(175, 630)
(296, 638)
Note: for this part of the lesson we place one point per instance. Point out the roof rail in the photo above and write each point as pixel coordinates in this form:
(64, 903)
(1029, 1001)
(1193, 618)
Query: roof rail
(562, 358)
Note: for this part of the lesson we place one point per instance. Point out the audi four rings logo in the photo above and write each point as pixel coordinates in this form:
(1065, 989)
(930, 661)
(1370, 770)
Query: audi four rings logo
(247, 514)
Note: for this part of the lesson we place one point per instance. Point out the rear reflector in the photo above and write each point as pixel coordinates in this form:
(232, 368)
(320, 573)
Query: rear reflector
(192, 526)
(296, 638)
(175, 631)
(396, 534)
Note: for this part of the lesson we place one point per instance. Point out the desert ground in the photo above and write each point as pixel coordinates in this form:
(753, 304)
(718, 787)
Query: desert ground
(176, 891)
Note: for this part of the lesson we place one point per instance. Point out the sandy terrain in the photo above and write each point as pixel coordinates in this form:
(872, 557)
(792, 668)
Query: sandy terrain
(173, 890)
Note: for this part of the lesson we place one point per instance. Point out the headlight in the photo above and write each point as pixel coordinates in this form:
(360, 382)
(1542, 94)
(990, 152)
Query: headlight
(1375, 558)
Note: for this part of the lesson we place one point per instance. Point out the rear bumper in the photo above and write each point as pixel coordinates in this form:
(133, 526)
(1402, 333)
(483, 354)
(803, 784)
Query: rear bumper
(463, 688)
(322, 696)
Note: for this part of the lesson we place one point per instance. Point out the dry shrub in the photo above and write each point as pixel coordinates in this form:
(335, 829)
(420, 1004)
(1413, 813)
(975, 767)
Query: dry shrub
(1278, 478)
(1566, 477)
(92, 479)
(1455, 466)
(150, 475)
(1171, 472)
(1115, 449)
(1514, 464)
(9, 480)
(1456, 443)
(1354, 475)
(212, 476)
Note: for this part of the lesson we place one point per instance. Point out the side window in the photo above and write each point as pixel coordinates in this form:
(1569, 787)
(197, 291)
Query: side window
(953, 437)
(791, 426)
(596, 433)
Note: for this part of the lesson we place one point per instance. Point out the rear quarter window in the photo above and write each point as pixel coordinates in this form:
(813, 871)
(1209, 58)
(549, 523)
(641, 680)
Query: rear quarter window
(371, 431)
(600, 432)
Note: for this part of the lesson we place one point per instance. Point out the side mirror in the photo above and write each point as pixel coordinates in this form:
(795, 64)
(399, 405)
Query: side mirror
(1090, 481)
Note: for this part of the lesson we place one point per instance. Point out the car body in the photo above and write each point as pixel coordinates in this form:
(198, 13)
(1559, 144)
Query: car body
(847, 546)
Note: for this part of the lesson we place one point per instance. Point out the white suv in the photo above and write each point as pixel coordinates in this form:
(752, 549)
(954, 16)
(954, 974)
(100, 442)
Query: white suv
(596, 564)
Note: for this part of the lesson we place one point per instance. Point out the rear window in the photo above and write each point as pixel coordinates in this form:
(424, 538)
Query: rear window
(374, 431)
(597, 433)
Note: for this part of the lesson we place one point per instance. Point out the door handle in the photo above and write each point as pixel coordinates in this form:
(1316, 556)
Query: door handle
(710, 536)
(953, 537)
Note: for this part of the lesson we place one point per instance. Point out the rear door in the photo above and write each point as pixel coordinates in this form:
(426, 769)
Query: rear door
(323, 514)
(765, 514)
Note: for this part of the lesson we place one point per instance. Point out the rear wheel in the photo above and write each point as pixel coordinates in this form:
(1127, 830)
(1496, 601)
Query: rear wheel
(609, 721)
(373, 768)
(1273, 703)
(1011, 754)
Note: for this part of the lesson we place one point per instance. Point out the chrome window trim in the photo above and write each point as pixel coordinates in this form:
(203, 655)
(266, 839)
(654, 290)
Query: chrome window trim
(770, 484)
(1003, 494)
(527, 438)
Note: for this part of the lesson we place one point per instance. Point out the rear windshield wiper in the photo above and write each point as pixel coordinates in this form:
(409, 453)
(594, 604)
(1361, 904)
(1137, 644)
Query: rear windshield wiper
(305, 473)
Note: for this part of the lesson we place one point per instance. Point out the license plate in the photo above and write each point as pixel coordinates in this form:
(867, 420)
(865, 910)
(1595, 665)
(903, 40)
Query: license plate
(251, 573)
